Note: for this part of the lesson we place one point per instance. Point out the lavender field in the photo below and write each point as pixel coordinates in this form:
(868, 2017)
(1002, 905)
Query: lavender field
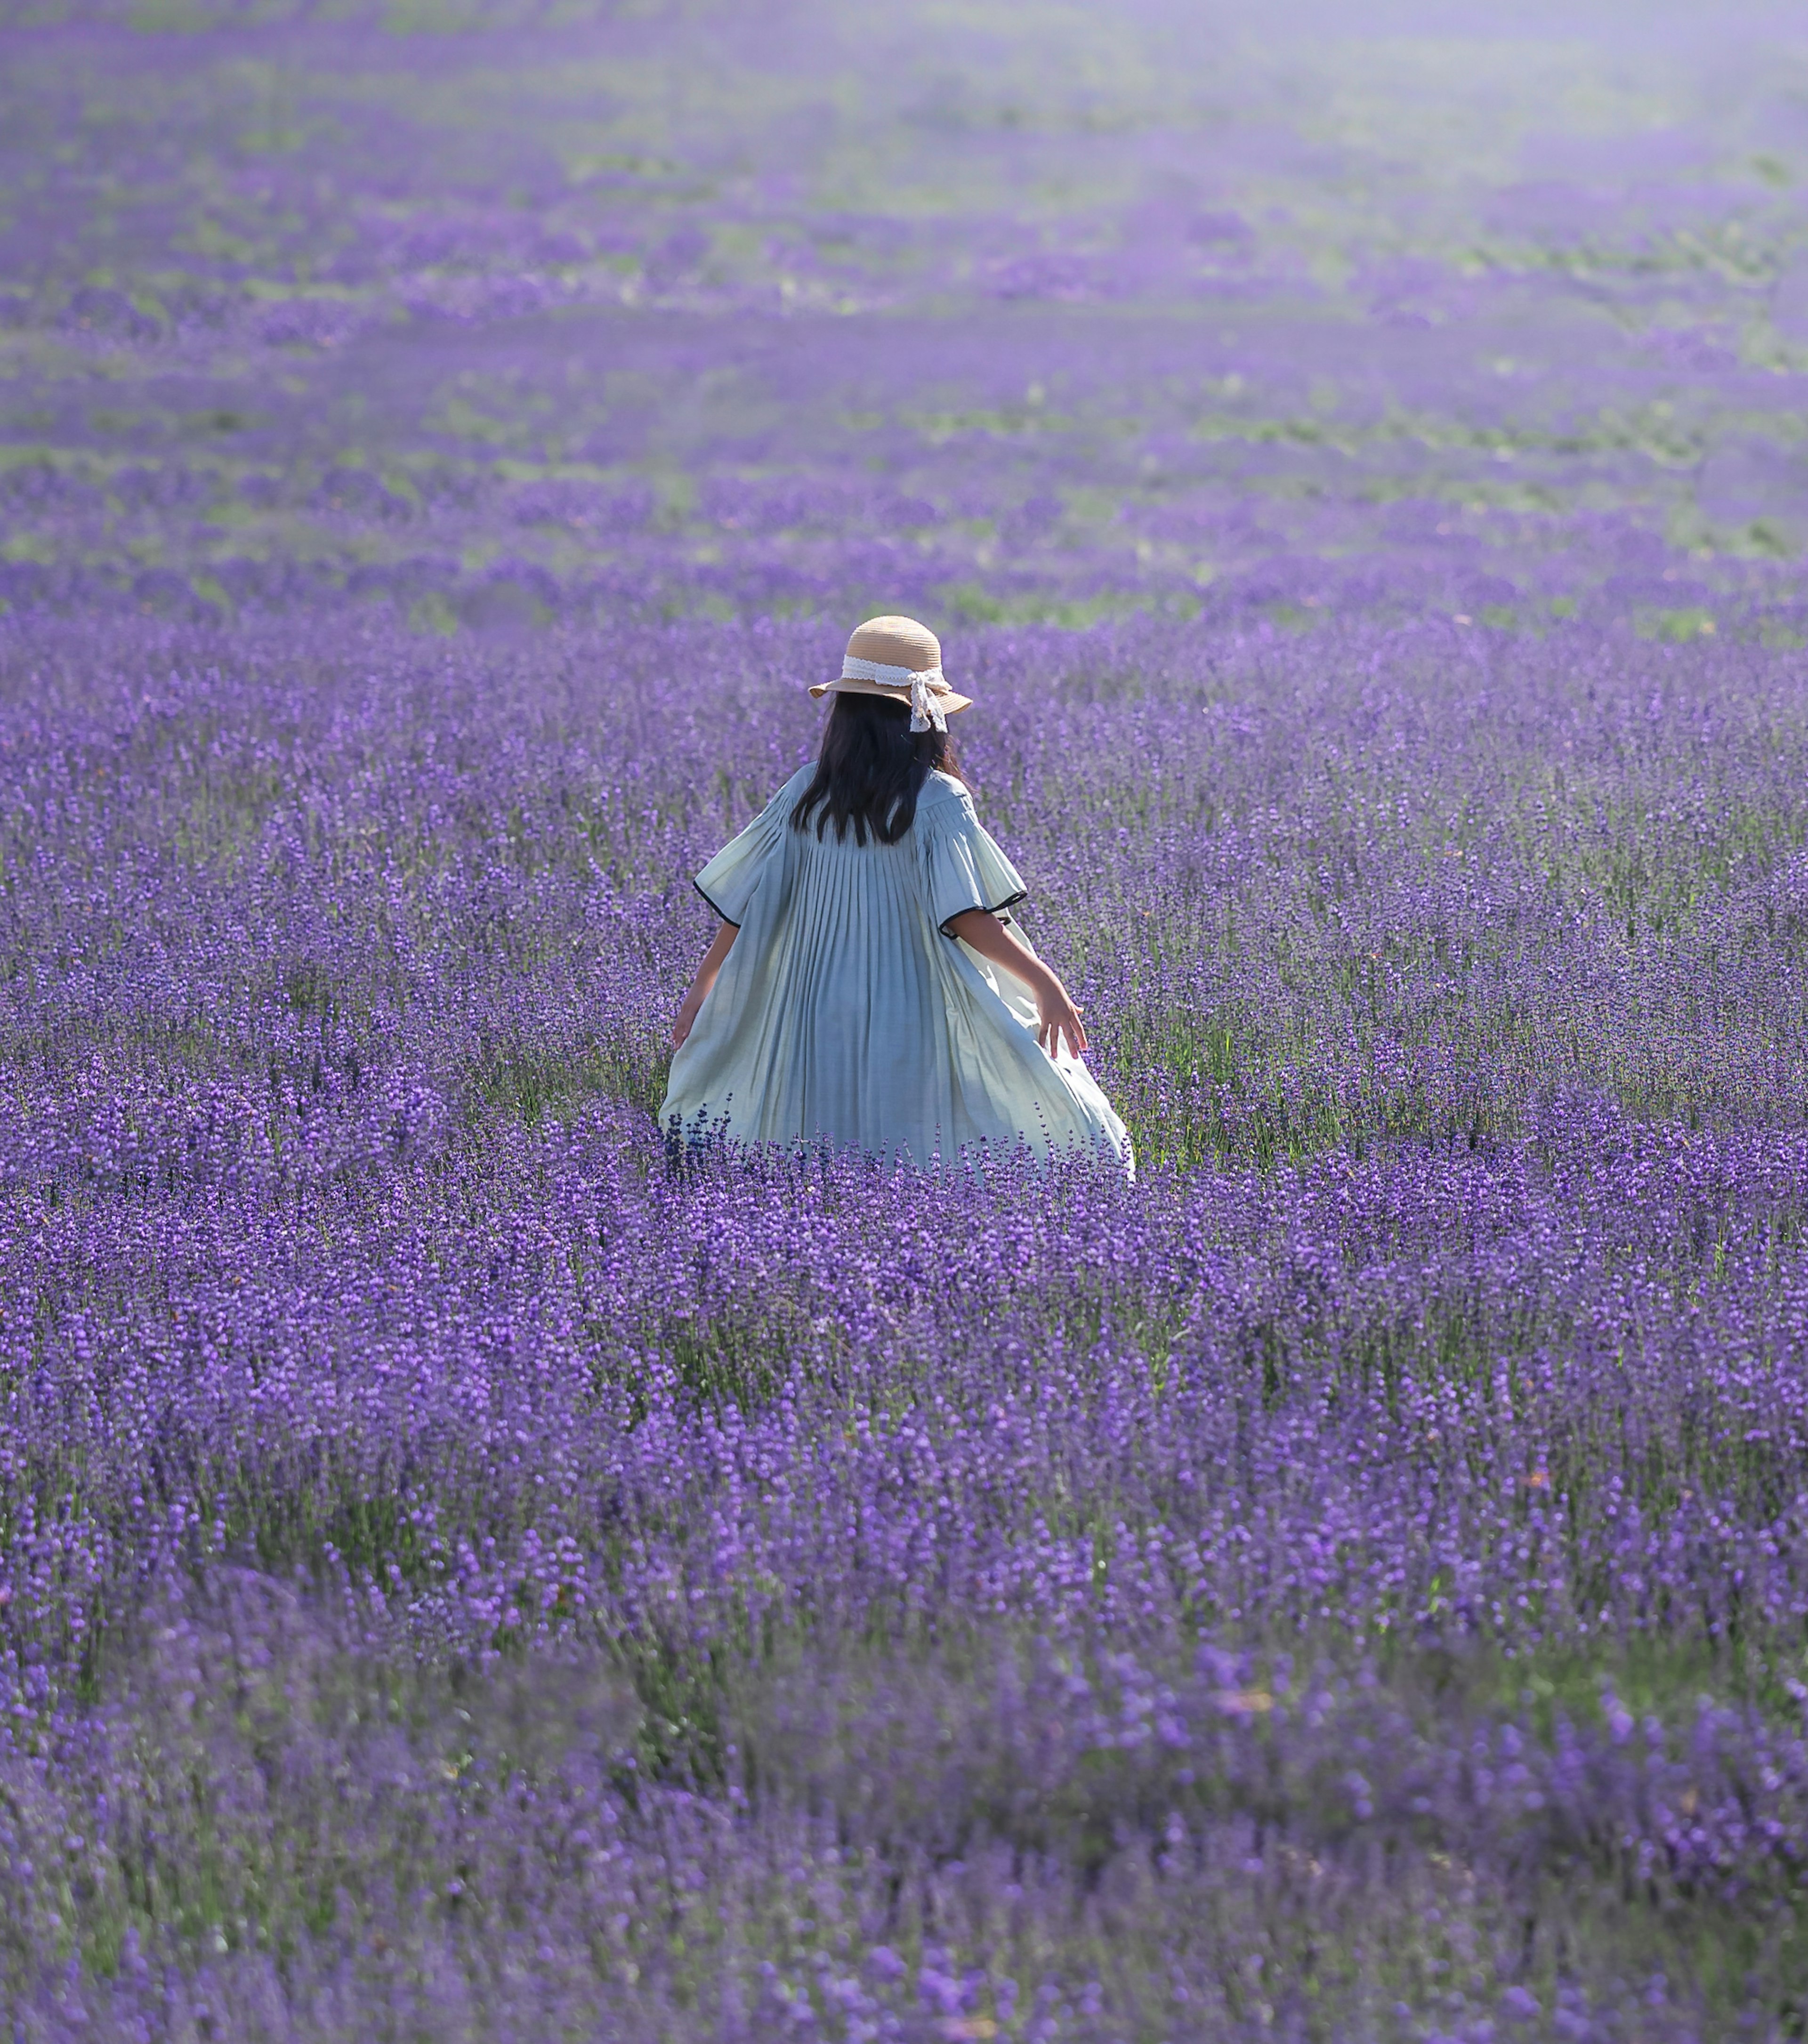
(462, 1577)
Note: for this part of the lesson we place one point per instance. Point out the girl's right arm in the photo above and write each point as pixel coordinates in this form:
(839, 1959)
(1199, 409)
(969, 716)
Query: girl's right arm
(720, 945)
(1057, 1016)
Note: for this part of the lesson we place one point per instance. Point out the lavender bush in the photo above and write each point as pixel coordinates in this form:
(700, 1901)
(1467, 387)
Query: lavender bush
(466, 1576)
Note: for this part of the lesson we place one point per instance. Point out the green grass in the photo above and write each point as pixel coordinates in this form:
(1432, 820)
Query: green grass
(531, 1083)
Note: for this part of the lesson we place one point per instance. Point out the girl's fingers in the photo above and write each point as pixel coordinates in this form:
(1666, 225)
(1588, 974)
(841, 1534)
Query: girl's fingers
(1055, 1032)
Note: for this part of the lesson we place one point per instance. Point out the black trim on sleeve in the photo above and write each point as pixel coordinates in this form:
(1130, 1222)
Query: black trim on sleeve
(991, 908)
(729, 919)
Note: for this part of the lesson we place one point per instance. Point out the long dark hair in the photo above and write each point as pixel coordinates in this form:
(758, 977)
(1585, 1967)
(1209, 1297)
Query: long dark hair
(871, 769)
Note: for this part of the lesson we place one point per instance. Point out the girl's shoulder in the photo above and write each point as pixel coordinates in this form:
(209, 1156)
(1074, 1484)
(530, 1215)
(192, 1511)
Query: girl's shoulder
(785, 799)
(941, 789)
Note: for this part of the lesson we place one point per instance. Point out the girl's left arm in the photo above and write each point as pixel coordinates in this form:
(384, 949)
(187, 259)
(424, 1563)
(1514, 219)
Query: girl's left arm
(720, 945)
(981, 931)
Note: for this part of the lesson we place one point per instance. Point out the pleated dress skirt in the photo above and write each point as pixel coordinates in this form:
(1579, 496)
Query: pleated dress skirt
(847, 1014)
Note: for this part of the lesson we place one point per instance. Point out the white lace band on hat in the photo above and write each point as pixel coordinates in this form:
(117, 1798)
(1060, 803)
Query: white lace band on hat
(923, 683)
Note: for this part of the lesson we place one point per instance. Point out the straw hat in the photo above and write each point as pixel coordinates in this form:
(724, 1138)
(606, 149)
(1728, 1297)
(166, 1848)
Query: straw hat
(899, 658)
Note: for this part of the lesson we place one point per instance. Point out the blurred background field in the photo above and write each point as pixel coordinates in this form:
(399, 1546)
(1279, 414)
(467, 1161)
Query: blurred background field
(461, 1576)
(1004, 314)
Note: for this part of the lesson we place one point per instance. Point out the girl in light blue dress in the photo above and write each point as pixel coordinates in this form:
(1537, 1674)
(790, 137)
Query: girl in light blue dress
(866, 988)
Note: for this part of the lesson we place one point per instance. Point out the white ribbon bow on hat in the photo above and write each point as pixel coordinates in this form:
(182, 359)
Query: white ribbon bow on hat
(925, 713)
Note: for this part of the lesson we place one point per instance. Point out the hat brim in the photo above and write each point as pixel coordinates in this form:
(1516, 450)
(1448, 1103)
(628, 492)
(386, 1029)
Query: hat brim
(945, 700)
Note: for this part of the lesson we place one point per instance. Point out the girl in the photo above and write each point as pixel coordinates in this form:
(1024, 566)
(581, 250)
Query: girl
(865, 987)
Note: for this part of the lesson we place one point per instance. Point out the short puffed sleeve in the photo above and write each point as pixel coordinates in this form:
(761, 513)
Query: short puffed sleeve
(727, 882)
(963, 866)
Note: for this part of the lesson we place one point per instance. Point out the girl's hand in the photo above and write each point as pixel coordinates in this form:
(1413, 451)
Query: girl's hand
(687, 1018)
(1057, 1017)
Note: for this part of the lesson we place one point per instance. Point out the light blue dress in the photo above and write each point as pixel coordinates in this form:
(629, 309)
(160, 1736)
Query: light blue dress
(845, 1013)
